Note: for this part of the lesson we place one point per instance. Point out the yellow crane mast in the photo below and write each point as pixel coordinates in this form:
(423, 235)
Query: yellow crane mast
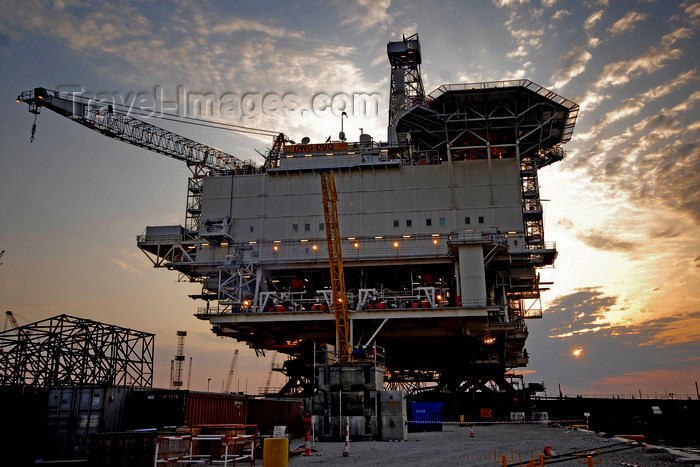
(335, 260)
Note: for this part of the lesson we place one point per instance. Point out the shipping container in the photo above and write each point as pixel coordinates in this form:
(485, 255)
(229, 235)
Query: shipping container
(74, 413)
(425, 416)
(206, 408)
(155, 408)
(268, 413)
(22, 427)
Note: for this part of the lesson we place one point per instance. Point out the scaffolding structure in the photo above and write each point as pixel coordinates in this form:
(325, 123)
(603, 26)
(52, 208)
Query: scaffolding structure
(65, 350)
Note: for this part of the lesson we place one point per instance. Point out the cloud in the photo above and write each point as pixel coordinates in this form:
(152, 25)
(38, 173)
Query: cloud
(654, 58)
(125, 266)
(371, 14)
(600, 241)
(561, 13)
(574, 64)
(592, 20)
(233, 25)
(627, 22)
(634, 105)
(508, 3)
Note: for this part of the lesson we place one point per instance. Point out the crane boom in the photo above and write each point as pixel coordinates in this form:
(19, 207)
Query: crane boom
(231, 372)
(104, 119)
(11, 318)
(335, 260)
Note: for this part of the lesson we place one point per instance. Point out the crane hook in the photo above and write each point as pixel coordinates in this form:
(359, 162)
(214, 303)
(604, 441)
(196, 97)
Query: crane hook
(31, 140)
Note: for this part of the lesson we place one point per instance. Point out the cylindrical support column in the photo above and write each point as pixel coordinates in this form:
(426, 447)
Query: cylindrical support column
(276, 452)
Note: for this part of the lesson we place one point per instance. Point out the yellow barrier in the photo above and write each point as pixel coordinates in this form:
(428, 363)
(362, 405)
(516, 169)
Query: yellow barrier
(275, 452)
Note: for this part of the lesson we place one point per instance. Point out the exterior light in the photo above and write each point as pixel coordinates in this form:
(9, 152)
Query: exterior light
(406, 236)
(435, 235)
(275, 247)
(205, 244)
(252, 243)
(224, 244)
(357, 245)
(489, 340)
(246, 302)
(439, 298)
(396, 244)
(315, 247)
(350, 239)
(304, 240)
(278, 241)
(378, 237)
(435, 241)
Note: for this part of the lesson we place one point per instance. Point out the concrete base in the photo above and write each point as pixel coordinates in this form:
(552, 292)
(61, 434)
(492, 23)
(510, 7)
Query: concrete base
(354, 395)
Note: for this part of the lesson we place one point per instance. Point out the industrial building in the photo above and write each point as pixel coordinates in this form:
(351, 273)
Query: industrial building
(441, 228)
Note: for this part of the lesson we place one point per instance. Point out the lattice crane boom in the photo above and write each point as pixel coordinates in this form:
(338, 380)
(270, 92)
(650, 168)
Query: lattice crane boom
(12, 319)
(335, 261)
(231, 372)
(111, 122)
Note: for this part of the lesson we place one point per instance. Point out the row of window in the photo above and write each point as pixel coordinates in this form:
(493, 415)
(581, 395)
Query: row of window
(409, 223)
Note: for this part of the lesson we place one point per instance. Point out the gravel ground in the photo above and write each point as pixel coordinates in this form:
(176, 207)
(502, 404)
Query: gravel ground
(454, 446)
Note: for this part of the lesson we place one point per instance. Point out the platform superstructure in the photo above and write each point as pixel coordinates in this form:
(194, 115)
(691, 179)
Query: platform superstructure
(442, 234)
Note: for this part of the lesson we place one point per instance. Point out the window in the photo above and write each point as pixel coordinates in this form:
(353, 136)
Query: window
(481, 219)
(321, 226)
(307, 227)
(396, 223)
(428, 222)
(295, 227)
(409, 222)
(251, 228)
(467, 220)
(442, 221)
(515, 242)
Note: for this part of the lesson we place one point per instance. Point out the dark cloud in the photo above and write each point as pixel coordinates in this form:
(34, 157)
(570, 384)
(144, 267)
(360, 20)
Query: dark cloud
(601, 241)
(668, 232)
(578, 309)
(696, 262)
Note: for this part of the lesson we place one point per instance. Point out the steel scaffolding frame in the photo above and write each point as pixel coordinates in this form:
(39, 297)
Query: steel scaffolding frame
(65, 350)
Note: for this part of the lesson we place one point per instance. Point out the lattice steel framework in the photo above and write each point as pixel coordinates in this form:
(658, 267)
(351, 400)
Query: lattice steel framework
(335, 260)
(65, 350)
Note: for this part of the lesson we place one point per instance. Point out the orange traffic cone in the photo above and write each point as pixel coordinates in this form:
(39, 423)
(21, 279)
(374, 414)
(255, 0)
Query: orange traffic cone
(471, 435)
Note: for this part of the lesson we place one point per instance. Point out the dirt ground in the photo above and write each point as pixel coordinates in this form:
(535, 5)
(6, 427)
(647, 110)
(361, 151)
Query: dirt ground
(454, 446)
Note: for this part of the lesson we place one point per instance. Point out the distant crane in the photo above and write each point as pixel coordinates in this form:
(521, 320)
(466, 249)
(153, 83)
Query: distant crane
(179, 358)
(266, 388)
(1, 253)
(189, 374)
(231, 372)
(9, 316)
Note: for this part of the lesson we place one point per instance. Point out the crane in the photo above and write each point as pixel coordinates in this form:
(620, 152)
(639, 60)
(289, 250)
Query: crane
(231, 372)
(11, 318)
(335, 260)
(113, 123)
(268, 380)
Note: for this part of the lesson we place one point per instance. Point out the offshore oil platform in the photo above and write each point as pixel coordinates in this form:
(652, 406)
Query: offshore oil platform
(407, 265)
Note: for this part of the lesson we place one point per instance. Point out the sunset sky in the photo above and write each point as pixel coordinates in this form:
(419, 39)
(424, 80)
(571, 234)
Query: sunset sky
(623, 313)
